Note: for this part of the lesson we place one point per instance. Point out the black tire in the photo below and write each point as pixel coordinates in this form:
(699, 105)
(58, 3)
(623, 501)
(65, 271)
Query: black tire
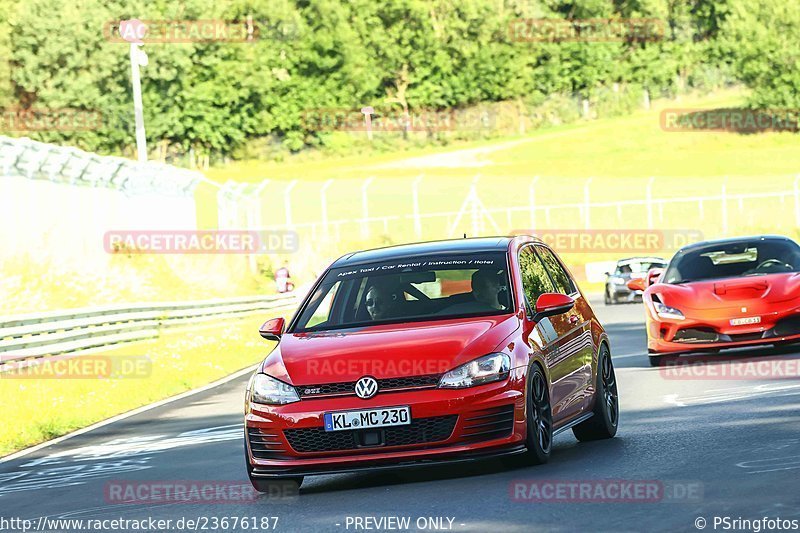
(280, 486)
(539, 418)
(655, 360)
(607, 299)
(604, 422)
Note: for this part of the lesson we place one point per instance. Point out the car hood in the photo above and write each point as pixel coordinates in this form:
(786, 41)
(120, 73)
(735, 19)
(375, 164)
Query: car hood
(386, 351)
(754, 292)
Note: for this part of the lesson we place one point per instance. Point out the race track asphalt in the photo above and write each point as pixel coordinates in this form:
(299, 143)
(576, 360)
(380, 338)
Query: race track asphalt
(712, 447)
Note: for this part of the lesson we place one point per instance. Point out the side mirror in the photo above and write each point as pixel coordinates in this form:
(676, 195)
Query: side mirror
(550, 304)
(653, 274)
(637, 284)
(606, 274)
(272, 329)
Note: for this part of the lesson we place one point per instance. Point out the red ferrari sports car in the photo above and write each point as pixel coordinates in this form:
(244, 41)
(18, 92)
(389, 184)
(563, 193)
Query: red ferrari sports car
(724, 294)
(436, 352)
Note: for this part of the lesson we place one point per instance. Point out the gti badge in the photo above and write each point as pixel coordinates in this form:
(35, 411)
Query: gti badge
(366, 388)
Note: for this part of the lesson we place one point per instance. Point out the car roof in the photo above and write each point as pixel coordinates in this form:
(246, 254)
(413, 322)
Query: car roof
(452, 246)
(732, 240)
(643, 258)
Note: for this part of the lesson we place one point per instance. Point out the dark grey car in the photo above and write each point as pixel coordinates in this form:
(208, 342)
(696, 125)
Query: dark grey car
(617, 290)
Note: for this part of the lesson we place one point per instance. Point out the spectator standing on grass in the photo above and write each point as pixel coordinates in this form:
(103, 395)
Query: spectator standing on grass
(282, 278)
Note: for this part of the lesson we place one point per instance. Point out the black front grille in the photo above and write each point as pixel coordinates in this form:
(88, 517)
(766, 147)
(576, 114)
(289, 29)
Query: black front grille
(489, 424)
(787, 326)
(347, 388)
(746, 336)
(420, 431)
(265, 443)
(696, 335)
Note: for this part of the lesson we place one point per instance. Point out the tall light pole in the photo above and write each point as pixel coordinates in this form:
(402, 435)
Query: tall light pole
(138, 58)
(134, 31)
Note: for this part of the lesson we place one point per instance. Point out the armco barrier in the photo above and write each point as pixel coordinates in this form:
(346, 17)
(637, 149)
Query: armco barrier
(74, 330)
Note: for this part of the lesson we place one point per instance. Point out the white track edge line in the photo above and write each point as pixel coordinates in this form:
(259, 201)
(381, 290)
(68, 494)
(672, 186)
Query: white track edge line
(123, 416)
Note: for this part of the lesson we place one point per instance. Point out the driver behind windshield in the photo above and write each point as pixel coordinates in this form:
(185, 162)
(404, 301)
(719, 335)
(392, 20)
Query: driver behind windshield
(381, 302)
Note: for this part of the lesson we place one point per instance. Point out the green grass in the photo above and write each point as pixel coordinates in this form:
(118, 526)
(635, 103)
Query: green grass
(35, 283)
(36, 410)
(620, 154)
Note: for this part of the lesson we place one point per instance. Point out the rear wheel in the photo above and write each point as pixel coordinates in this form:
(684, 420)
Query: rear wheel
(604, 422)
(539, 418)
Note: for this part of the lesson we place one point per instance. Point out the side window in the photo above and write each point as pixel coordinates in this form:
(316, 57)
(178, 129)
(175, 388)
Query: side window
(560, 277)
(534, 277)
(322, 313)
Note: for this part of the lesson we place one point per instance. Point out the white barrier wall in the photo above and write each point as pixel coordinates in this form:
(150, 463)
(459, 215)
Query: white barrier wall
(69, 221)
(58, 202)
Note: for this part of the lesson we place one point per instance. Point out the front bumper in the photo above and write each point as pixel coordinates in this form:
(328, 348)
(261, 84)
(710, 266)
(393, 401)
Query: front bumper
(486, 420)
(698, 335)
(621, 293)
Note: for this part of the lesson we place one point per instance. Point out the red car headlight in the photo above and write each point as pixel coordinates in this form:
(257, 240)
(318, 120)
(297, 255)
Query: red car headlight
(664, 311)
(486, 369)
(270, 391)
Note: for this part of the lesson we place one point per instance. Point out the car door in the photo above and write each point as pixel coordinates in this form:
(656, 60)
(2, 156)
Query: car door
(535, 282)
(573, 359)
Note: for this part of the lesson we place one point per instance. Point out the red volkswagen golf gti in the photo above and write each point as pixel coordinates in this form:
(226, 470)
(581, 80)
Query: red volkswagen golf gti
(435, 352)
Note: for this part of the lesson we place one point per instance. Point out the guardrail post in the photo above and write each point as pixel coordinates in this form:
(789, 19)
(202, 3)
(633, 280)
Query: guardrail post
(532, 202)
(415, 199)
(324, 200)
(724, 199)
(587, 204)
(475, 211)
(287, 203)
(365, 208)
(797, 201)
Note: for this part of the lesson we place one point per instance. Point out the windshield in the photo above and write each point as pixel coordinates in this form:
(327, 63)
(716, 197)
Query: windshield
(409, 290)
(728, 260)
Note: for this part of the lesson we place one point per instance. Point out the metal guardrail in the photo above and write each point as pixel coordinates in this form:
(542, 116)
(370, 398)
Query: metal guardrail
(36, 160)
(70, 331)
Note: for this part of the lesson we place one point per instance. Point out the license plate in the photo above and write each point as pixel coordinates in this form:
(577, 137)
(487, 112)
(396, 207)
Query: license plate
(368, 418)
(745, 320)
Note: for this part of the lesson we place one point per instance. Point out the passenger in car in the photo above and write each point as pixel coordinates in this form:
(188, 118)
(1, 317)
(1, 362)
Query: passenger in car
(486, 288)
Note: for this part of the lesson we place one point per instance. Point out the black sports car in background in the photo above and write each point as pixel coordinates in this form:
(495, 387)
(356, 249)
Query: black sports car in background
(617, 290)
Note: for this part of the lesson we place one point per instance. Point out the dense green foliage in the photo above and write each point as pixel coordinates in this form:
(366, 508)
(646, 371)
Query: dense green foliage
(216, 97)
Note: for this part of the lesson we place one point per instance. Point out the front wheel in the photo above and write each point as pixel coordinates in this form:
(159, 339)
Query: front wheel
(539, 418)
(655, 360)
(605, 419)
(607, 298)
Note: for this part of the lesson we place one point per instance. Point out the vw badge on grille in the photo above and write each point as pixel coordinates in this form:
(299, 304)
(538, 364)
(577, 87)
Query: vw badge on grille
(366, 388)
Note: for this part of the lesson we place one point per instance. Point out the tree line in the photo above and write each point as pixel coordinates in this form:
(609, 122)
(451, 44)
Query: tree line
(300, 56)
